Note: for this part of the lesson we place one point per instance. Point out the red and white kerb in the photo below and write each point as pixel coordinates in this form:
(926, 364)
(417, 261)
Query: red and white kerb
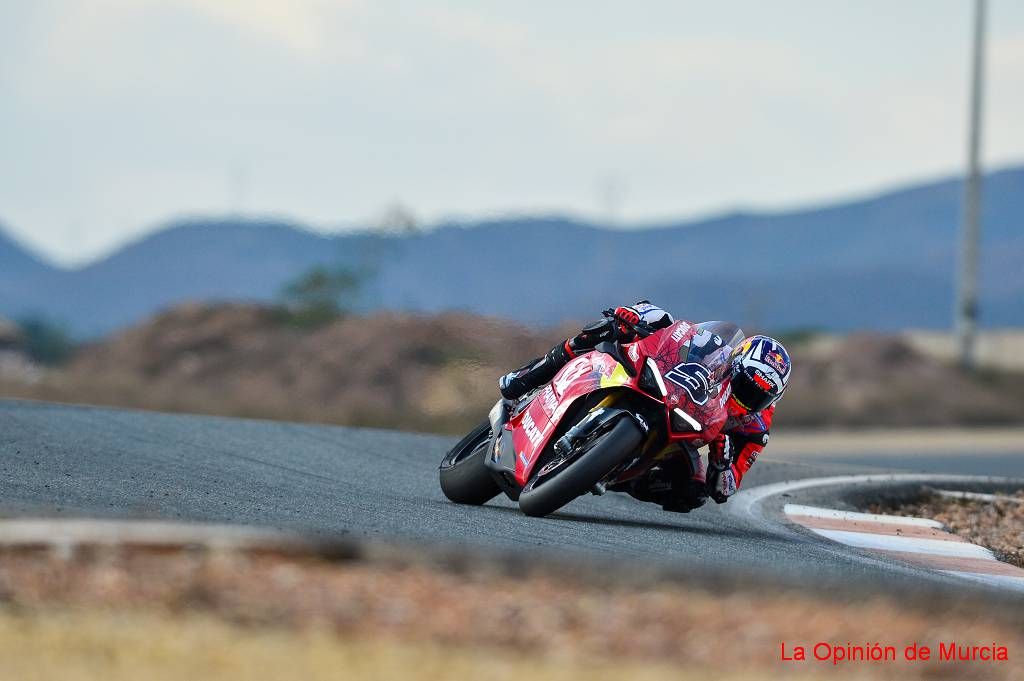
(918, 541)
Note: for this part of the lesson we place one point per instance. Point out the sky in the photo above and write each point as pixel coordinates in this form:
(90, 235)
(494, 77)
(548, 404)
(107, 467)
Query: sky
(119, 115)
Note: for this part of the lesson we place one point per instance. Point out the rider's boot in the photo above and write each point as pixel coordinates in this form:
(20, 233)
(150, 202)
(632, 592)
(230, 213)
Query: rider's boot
(685, 497)
(671, 485)
(535, 374)
(538, 372)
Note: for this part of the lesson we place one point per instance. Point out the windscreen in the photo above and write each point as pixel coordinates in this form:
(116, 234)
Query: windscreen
(711, 347)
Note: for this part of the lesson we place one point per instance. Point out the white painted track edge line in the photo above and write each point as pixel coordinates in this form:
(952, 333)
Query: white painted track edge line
(831, 513)
(1004, 581)
(918, 545)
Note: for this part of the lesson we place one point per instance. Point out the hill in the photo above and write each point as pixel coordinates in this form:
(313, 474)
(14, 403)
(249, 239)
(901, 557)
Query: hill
(22, 274)
(883, 262)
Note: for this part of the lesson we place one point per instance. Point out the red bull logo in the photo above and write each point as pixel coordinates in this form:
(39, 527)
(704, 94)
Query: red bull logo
(777, 361)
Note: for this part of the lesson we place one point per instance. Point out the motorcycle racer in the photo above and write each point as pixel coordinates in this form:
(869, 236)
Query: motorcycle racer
(758, 373)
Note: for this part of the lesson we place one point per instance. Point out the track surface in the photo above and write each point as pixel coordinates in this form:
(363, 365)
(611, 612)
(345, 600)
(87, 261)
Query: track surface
(60, 460)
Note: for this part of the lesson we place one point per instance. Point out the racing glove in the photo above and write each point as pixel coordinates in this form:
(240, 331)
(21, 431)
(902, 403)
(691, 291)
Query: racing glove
(623, 329)
(723, 478)
(721, 483)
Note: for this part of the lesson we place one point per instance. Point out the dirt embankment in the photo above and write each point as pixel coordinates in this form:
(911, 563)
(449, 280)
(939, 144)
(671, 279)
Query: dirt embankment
(438, 373)
(872, 380)
(412, 372)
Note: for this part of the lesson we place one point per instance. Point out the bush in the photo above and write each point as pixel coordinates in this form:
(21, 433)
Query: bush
(46, 342)
(320, 296)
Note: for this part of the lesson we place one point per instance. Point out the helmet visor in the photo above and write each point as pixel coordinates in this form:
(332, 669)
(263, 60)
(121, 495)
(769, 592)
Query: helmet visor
(751, 394)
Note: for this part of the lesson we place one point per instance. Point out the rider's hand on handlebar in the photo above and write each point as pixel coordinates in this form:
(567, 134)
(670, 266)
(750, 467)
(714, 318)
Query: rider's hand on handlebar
(626, 324)
(626, 321)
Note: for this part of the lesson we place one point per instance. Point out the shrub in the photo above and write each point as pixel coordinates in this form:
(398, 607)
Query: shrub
(46, 342)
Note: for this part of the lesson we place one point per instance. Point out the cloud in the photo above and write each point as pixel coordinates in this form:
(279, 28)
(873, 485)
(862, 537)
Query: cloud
(307, 28)
(336, 107)
(123, 43)
(633, 91)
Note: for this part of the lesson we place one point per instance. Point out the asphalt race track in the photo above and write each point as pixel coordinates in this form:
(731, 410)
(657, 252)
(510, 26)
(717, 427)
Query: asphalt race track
(70, 461)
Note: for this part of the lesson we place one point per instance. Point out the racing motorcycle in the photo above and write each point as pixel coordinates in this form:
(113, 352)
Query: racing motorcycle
(606, 418)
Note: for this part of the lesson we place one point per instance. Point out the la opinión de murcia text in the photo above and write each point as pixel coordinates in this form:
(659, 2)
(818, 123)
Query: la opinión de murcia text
(843, 653)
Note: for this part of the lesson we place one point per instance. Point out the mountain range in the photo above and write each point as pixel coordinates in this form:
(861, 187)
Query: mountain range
(881, 262)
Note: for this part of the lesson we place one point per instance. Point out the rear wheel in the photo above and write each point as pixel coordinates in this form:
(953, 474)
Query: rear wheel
(464, 476)
(556, 483)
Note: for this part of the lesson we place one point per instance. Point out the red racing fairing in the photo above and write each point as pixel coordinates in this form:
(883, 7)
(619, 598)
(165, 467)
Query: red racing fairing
(682, 367)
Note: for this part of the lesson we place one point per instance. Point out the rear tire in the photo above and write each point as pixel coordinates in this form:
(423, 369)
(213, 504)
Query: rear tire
(465, 478)
(580, 476)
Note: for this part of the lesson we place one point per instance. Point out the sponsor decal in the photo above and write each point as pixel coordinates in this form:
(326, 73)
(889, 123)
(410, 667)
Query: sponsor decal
(617, 376)
(533, 433)
(548, 401)
(701, 338)
(694, 379)
(727, 484)
(776, 361)
(634, 352)
(762, 382)
(572, 371)
(678, 334)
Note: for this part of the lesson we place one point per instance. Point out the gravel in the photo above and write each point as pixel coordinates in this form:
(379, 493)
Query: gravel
(997, 525)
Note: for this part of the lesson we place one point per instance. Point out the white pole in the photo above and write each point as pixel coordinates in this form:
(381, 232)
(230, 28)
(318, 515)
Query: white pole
(967, 284)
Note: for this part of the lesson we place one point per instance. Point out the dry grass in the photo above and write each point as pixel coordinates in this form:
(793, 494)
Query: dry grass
(907, 442)
(131, 646)
(157, 615)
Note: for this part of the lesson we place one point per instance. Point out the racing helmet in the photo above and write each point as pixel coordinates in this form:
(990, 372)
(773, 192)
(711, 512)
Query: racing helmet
(760, 373)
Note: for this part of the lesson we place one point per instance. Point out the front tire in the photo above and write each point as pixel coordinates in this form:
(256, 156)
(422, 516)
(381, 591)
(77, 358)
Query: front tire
(541, 497)
(465, 478)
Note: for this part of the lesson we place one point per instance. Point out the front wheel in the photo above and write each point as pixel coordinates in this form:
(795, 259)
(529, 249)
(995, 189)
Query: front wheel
(546, 492)
(464, 476)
